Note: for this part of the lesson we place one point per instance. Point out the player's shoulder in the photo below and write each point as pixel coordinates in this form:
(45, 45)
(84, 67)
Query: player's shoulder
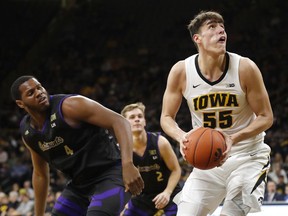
(179, 66)
(163, 142)
(244, 60)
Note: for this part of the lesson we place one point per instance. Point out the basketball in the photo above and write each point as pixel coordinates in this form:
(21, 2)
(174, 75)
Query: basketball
(205, 148)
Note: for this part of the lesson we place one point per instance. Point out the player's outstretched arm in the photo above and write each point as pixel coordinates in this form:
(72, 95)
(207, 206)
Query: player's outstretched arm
(77, 109)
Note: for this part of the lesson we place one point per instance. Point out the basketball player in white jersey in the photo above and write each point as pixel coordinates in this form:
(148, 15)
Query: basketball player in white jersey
(223, 91)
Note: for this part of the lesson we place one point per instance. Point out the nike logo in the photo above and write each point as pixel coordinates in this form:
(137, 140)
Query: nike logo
(195, 86)
(253, 154)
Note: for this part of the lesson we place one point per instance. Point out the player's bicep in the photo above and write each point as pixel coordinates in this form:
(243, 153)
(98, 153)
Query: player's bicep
(256, 92)
(173, 93)
(79, 109)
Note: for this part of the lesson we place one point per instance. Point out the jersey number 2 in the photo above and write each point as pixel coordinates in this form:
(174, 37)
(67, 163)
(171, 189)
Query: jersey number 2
(159, 176)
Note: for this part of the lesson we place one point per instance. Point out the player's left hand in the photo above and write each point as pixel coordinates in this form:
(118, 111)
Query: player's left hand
(132, 179)
(161, 200)
(229, 143)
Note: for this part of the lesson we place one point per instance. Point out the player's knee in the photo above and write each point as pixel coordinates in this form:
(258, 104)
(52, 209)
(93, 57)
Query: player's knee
(235, 207)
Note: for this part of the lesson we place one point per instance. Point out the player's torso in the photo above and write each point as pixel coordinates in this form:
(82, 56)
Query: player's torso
(220, 104)
(68, 149)
(151, 166)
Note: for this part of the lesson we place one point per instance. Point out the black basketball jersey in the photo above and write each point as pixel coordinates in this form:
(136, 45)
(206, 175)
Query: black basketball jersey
(74, 151)
(152, 167)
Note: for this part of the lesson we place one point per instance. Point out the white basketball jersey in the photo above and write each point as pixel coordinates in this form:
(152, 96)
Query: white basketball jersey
(220, 104)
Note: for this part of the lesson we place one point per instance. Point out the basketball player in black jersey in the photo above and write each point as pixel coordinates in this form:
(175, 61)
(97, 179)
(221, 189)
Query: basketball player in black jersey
(158, 165)
(76, 136)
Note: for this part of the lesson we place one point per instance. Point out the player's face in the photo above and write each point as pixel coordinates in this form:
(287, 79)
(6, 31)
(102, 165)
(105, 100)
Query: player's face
(34, 97)
(136, 119)
(212, 37)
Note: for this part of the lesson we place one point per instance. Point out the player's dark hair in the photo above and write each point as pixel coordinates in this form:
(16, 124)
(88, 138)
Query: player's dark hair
(15, 93)
(201, 18)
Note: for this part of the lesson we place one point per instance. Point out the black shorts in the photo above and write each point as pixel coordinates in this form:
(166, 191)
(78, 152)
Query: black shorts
(143, 205)
(105, 195)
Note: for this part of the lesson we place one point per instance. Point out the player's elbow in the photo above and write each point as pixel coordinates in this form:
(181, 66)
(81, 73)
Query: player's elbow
(270, 121)
(162, 121)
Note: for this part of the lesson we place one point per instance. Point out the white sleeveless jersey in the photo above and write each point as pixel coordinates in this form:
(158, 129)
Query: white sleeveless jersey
(220, 104)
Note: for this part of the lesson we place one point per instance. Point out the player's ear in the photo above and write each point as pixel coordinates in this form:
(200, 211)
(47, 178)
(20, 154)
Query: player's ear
(20, 103)
(196, 38)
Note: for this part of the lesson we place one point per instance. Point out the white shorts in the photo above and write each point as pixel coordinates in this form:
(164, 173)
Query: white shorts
(207, 189)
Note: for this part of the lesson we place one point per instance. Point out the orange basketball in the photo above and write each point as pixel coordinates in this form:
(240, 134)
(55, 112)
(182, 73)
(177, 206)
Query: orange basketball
(205, 148)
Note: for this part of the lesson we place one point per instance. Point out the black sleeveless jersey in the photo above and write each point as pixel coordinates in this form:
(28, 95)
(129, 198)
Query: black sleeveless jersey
(87, 150)
(152, 167)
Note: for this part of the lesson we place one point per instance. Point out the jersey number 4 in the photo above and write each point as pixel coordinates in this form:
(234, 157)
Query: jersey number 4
(68, 150)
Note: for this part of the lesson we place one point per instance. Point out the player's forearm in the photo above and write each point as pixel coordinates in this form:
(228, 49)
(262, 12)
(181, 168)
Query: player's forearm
(171, 128)
(173, 181)
(122, 130)
(40, 185)
(260, 124)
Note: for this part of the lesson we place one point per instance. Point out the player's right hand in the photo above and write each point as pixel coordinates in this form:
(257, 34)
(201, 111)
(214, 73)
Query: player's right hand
(184, 141)
(132, 179)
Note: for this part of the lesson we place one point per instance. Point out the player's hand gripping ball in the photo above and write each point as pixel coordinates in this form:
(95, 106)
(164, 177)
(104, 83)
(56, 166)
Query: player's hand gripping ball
(205, 148)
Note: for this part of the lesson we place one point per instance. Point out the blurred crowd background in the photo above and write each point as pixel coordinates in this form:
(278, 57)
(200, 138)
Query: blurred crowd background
(119, 52)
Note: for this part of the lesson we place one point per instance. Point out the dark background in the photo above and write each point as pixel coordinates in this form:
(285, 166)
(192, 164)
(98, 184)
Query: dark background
(121, 51)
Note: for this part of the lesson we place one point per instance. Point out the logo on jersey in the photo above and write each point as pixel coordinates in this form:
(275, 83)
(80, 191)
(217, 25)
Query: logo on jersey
(195, 86)
(149, 168)
(44, 146)
(152, 152)
(215, 100)
(53, 117)
(260, 200)
(26, 132)
(230, 85)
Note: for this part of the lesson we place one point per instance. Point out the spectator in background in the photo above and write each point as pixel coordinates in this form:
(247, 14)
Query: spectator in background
(285, 164)
(51, 199)
(278, 158)
(276, 172)
(286, 193)
(271, 193)
(13, 201)
(3, 155)
(26, 205)
(280, 185)
(3, 204)
(28, 187)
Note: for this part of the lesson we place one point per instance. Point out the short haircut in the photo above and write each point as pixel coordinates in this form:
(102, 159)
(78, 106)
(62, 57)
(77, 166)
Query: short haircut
(129, 107)
(196, 23)
(14, 90)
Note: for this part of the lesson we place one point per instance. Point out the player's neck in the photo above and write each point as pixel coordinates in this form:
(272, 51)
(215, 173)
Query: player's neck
(212, 67)
(37, 122)
(140, 139)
